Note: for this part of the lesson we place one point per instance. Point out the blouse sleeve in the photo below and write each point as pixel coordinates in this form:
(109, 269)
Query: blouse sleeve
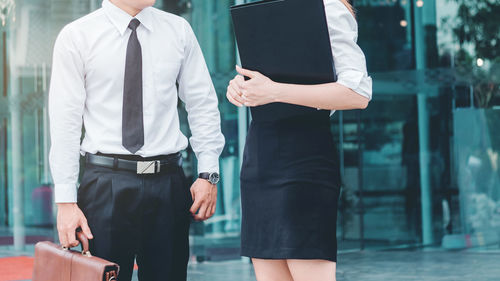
(349, 59)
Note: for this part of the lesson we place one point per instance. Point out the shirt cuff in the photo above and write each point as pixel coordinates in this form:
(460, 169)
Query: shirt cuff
(208, 163)
(357, 81)
(65, 193)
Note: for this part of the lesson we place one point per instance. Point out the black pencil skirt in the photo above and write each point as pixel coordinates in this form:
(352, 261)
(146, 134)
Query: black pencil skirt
(289, 189)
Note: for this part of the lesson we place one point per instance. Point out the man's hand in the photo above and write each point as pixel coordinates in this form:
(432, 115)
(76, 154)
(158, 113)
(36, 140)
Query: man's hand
(205, 199)
(69, 218)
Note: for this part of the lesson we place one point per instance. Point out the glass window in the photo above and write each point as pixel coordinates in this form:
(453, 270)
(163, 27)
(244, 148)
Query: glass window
(419, 166)
(29, 31)
(419, 163)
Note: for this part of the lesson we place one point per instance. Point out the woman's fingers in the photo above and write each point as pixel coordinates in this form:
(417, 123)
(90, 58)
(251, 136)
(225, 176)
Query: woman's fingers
(245, 72)
(236, 92)
(250, 104)
(239, 81)
(230, 98)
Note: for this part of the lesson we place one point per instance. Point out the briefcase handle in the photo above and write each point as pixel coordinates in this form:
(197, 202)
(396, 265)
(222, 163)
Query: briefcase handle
(84, 242)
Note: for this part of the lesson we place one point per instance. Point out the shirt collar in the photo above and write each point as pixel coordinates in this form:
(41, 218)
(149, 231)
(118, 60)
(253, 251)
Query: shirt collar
(121, 19)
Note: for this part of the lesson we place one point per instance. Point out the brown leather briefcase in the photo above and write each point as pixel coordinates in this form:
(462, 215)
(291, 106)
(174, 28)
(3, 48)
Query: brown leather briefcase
(55, 263)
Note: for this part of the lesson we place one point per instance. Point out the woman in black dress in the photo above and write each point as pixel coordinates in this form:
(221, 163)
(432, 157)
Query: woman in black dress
(289, 179)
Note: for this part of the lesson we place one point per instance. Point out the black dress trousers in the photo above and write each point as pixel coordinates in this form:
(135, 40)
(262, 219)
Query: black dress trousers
(138, 216)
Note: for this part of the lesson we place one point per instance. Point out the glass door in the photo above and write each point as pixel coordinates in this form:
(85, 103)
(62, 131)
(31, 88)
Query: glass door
(218, 237)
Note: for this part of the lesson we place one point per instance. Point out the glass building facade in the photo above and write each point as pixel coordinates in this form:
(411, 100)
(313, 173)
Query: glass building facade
(419, 166)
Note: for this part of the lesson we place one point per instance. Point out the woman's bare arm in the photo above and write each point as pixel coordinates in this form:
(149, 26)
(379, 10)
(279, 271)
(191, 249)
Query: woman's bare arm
(260, 90)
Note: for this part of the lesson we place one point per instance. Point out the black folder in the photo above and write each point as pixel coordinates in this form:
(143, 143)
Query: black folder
(288, 41)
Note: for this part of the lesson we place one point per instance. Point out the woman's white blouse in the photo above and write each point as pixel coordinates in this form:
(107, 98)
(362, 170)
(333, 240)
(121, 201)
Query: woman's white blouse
(349, 59)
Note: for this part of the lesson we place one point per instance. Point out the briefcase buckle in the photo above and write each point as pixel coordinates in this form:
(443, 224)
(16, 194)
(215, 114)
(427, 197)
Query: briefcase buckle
(148, 167)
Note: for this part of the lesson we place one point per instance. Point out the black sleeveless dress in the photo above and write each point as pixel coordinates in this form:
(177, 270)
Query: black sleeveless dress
(289, 185)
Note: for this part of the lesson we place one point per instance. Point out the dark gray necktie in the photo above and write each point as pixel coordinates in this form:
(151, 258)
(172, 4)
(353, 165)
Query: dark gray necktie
(132, 118)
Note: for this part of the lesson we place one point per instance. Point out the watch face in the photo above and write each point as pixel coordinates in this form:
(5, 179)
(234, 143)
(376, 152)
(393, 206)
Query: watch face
(214, 178)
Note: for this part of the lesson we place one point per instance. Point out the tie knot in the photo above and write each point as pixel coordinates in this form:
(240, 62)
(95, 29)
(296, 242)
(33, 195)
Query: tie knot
(134, 23)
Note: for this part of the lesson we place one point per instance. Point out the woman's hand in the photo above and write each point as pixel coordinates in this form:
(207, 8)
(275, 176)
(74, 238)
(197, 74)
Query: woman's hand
(259, 90)
(234, 91)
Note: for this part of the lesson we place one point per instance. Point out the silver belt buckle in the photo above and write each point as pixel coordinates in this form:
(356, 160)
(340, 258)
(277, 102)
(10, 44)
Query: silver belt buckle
(148, 167)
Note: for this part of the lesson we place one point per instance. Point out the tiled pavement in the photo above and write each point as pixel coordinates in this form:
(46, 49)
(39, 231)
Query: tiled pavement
(379, 266)
(420, 265)
(432, 265)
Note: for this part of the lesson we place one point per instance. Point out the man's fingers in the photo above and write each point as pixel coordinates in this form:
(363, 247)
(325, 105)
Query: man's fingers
(201, 214)
(86, 230)
(192, 194)
(214, 208)
(71, 235)
(245, 72)
(214, 202)
(203, 211)
(208, 213)
(196, 205)
(63, 240)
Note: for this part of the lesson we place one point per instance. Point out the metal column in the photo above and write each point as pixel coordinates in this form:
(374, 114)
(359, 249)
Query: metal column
(242, 124)
(423, 125)
(16, 146)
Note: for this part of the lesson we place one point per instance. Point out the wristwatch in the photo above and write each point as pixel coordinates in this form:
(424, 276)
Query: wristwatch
(212, 178)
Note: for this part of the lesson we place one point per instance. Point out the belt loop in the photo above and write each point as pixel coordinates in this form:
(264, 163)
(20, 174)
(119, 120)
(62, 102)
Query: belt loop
(115, 163)
(157, 166)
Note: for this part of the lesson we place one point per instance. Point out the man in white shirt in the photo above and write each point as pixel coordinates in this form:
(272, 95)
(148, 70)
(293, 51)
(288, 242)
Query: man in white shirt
(119, 72)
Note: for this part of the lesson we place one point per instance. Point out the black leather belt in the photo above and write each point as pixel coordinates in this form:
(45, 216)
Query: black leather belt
(153, 166)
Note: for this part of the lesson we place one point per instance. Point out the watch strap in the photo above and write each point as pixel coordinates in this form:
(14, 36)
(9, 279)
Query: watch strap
(204, 176)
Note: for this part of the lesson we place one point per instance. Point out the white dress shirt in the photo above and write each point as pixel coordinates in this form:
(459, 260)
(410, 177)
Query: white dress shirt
(87, 85)
(349, 59)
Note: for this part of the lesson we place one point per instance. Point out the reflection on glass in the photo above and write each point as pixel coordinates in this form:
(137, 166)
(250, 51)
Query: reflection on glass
(436, 69)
